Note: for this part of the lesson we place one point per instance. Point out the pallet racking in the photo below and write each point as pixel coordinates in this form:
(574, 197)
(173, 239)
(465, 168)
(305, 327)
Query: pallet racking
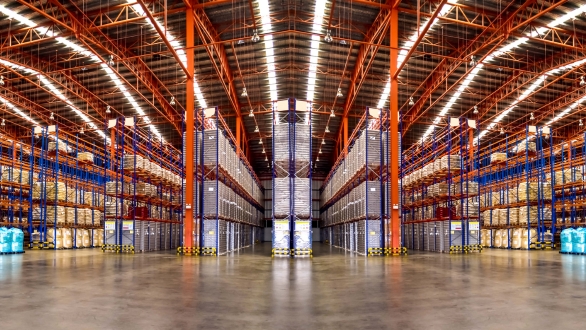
(143, 208)
(230, 194)
(66, 190)
(517, 200)
(354, 192)
(441, 191)
(15, 182)
(292, 175)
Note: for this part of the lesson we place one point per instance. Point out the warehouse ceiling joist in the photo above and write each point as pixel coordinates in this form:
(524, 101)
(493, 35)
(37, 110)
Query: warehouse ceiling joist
(504, 63)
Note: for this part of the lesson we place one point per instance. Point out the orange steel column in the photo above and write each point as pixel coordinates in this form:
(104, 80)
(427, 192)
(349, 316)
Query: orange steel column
(188, 227)
(395, 217)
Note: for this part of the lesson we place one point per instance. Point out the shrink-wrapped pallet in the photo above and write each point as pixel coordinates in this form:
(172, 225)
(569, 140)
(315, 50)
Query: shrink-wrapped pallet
(546, 191)
(486, 218)
(528, 213)
(498, 157)
(87, 198)
(78, 235)
(55, 237)
(526, 146)
(495, 197)
(16, 175)
(71, 195)
(504, 238)
(498, 238)
(528, 191)
(67, 234)
(71, 216)
(132, 162)
(85, 157)
(516, 237)
(427, 171)
(467, 208)
(503, 216)
(51, 190)
(53, 146)
(513, 216)
(512, 195)
(466, 187)
(55, 213)
(118, 187)
(449, 163)
(528, 237)
(86, 238)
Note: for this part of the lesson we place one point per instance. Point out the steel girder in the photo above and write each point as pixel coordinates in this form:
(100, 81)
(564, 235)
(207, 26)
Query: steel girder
(500, 27)
(217, 54)
(82, 28)
(520, 79)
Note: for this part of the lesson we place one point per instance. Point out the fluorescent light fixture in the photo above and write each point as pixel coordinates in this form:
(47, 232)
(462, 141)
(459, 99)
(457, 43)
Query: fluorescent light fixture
(265, 19)
(318, 18)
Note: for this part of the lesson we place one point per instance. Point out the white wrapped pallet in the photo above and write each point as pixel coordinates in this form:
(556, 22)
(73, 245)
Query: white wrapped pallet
(85, 157)
(498, 157)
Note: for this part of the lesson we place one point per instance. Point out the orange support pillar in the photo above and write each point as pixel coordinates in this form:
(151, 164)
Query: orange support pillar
(188, 222)
(395, 216)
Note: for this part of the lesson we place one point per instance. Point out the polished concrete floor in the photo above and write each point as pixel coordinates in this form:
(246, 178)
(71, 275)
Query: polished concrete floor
(497, 289)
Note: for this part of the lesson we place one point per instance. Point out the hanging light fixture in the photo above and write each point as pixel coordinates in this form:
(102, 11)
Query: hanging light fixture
(81, 131)
(240, 42)
(256, 129)
(1, 80)
(323, 141)
(255, 37)
(251, 113)
(472, 60)
(108, 109)
(260, 141)
(580, 123)
(263, 151)
(475, 109)
(111, 60)
(244, 92)
(317, 159)
(339, 93)
(332, 114)
(327, 129)
(266, 159)
(343, 42)
(319, 151)
(582, 82)
(532, 117)
(3, 122)
(172, 100)
(52, 116)
(411, 101)
(502, 131)
(328, 37)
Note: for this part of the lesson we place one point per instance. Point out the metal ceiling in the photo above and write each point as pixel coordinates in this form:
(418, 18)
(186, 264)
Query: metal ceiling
(357, 61)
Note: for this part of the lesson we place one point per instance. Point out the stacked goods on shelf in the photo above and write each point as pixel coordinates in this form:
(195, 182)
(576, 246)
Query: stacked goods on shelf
(441, 206)
(231, 194)
(352, 197)
(517, 190)
(292, 204)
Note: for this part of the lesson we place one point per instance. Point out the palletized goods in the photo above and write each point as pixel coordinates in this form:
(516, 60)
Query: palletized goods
(86, 157)
(498, 157)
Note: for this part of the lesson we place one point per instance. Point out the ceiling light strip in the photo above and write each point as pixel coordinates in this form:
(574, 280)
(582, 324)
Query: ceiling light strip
(318, 19)
(515, 44)
(265, 19)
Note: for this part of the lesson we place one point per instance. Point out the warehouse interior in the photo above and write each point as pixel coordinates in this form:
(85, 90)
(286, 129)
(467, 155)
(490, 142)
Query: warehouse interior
(327, 164)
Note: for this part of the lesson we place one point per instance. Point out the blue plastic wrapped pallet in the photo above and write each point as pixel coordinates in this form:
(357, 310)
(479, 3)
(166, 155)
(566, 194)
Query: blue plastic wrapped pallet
(5, 241)
(17, 240)
(579, 240)
(566, 239)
